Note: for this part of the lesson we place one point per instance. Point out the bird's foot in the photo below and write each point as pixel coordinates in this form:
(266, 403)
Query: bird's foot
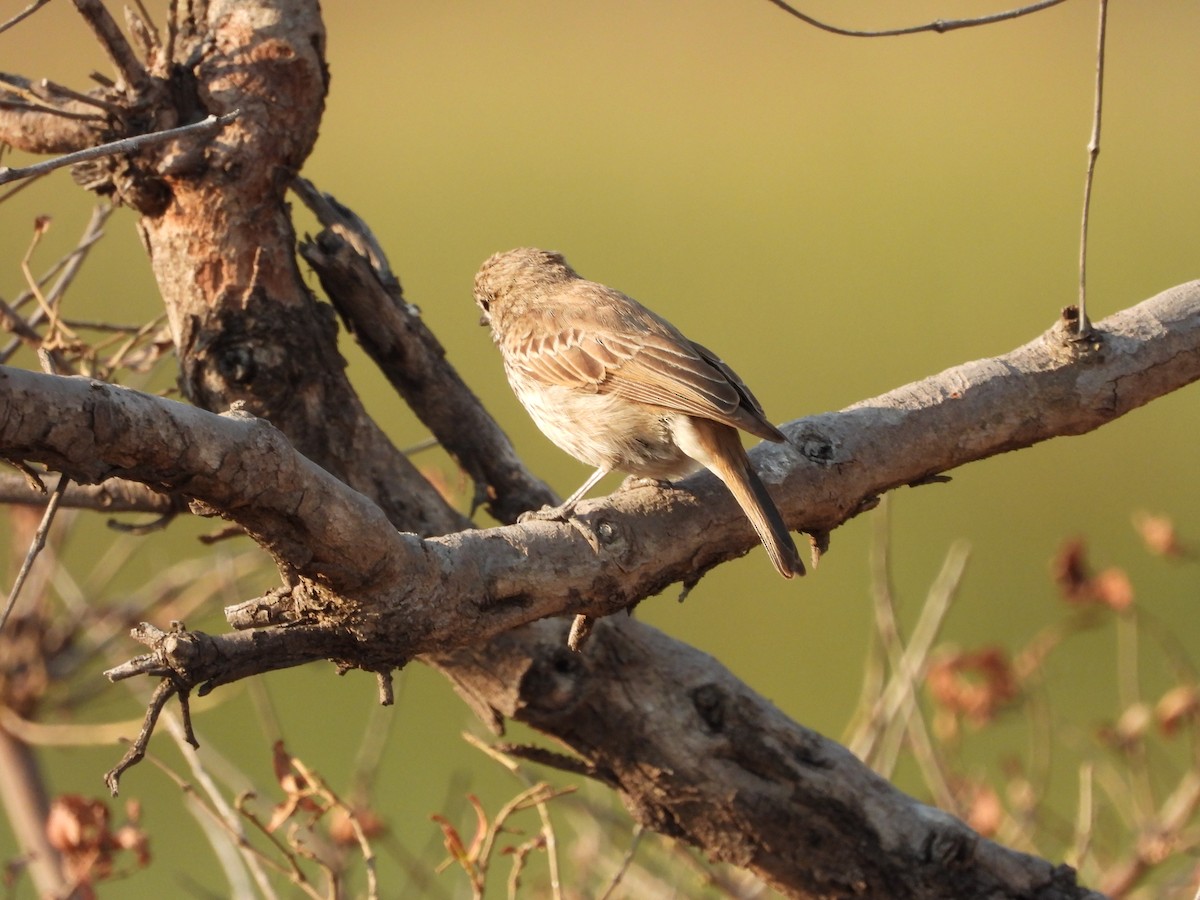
(560, 513)
(564, 513)
(640, 481)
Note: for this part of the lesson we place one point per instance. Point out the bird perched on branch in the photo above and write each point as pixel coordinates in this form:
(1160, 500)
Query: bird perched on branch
(620, 388)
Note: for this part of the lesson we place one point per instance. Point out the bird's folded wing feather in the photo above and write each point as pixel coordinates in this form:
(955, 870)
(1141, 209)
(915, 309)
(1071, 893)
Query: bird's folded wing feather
(652, 368)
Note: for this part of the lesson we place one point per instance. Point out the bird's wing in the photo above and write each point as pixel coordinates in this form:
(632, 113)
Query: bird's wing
(654, 365)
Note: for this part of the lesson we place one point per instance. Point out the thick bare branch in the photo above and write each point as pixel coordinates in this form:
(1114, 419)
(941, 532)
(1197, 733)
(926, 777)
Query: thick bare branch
(403, 596)
(244, 323)
(246, 329)
(357, 279)
(225, 461)
(700, 757)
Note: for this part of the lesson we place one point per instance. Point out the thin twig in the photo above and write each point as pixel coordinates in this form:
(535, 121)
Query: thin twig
(51, 87)
(220, 822)
(885, 637)
(137, 750)
(50, 308)
(638, 832)
(68, 266)
(939, 26)
(33, 98)
(1093, 151)
(321, 787)
(368, 761)
(226, 819)
(36, 106)
(39, 542)
(11, 321)
(118, 329)
(16, 189)
(142, 26)
(23, 14)
(294, 871)
(172, 31)
(69, 263)
(1085, 816)
(897, 708)
(51, 364)
(124, 145)
(537, 791)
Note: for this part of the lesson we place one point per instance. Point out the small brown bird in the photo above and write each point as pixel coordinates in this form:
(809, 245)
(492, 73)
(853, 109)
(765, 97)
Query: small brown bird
(620, 388)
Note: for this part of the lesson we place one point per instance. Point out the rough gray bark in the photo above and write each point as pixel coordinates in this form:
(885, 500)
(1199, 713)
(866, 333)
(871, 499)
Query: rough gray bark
(402, 596)
(703, 758)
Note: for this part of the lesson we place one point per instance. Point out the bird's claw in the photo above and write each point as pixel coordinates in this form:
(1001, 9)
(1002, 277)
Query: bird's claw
(546, 514)
(564, 513)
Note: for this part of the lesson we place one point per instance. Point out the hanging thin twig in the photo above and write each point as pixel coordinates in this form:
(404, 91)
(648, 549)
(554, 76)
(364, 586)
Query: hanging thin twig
(137, 750)
(939, 26)
(1084, 324)
(52, 365)
(39, 542)
(638, 833)
(66, 269)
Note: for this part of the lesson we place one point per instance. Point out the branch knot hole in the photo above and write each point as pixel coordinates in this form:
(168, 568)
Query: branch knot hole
(709, 702)
(554, 682)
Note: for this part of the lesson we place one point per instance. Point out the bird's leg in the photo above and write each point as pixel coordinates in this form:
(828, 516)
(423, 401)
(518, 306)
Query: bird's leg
(563, 512)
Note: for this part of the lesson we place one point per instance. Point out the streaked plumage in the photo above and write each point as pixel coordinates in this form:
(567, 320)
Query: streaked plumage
(620, 388)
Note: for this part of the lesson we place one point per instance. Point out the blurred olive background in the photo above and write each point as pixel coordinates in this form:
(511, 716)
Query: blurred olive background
(835, 216)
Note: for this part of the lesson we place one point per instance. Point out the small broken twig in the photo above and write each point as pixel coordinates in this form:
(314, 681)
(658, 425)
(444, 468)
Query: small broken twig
(166, 689)
(39, 541)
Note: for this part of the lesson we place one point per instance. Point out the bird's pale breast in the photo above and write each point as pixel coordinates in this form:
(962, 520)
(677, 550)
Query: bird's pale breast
(604, 430)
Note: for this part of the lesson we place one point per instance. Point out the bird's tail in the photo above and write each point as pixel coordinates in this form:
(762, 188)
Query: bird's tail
(751, 495)
(719, 448)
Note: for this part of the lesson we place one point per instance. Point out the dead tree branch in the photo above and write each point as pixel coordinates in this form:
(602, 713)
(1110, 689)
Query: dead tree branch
(699, 756)
(214, 221)
(401, 596)
(361, 286)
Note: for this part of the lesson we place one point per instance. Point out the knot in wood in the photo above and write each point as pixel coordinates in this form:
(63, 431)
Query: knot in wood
(553, 682)
(1065, 344)
(815, 446)
(949, 843)
(709, 702)
(181, 651)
